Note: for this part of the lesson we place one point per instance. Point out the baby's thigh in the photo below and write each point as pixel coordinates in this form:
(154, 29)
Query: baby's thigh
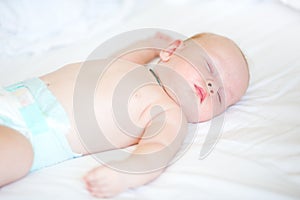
(16, 155)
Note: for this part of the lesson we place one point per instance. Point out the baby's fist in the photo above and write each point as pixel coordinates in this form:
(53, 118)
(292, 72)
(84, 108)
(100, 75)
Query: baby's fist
(104, 182)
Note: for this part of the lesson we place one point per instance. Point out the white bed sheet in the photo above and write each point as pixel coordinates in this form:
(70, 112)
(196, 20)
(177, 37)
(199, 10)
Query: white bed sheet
(258, 154)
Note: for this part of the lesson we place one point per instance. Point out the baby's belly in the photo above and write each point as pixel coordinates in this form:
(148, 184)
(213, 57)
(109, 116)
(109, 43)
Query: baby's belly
(87, 136)
(84, 136)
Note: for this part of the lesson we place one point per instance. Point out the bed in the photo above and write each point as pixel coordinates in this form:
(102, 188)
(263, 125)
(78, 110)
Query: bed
(258, 153)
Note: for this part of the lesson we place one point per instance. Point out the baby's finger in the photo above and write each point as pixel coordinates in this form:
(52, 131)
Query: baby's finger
(94, 175)
(163, 36)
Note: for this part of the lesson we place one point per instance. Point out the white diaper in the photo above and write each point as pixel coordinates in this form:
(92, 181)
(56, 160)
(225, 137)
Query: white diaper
(31, 109)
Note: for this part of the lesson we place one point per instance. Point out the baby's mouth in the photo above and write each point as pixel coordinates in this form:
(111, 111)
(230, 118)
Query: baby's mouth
(201, 92)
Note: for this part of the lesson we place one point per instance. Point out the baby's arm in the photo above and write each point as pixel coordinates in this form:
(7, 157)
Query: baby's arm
(161, 141)
(141, 54)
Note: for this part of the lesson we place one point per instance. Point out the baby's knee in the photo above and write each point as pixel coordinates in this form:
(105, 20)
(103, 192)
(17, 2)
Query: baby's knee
(16, 155)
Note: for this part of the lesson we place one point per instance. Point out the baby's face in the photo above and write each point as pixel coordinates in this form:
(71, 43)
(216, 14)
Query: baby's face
(216, 71)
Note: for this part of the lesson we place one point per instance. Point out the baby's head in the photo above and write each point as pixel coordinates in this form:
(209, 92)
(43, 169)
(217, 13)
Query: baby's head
(215, 69)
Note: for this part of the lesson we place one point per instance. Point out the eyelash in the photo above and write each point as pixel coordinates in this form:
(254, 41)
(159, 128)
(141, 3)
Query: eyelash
(219, 97)
(209, 67)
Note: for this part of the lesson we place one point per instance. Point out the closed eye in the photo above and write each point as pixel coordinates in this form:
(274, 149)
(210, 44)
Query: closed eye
(219, 97)
(209, 67)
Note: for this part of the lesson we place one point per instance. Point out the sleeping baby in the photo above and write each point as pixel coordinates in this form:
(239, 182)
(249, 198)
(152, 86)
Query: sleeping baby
(118, 102)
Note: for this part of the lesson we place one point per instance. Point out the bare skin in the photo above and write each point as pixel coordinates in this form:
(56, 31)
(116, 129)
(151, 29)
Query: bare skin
(139, 108)
(16, 153)
(147, 97)
(104, 181)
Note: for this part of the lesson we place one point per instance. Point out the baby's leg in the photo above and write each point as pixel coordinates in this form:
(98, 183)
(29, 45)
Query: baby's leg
(16, 155)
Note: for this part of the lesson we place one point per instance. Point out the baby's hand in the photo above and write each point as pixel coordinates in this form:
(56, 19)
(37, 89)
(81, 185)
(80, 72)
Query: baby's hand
(161, 40)
(104, 182)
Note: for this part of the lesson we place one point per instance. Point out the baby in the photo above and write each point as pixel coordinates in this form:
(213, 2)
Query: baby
(42, 123)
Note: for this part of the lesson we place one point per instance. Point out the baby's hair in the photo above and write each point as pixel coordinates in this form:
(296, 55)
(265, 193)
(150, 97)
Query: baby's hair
(201, 35)
(207, 34)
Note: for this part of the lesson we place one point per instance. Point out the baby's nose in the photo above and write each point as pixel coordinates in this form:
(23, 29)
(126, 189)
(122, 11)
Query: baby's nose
(212, 87)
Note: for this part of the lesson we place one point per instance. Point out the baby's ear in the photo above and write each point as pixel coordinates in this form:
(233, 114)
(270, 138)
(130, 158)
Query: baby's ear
(168, 52)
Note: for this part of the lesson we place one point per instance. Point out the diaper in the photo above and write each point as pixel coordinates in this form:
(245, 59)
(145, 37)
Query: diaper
(31, 109)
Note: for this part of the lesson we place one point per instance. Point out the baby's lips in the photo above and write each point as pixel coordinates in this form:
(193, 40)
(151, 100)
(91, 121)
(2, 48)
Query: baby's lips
(201, 92)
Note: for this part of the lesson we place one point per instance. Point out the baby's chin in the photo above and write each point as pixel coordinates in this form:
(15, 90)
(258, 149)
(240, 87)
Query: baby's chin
(203, 116)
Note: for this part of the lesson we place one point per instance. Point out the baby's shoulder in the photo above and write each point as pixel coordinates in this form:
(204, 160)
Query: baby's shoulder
(153, 101)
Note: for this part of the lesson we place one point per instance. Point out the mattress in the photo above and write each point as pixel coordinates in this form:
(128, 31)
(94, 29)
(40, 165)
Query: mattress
(257, 155)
